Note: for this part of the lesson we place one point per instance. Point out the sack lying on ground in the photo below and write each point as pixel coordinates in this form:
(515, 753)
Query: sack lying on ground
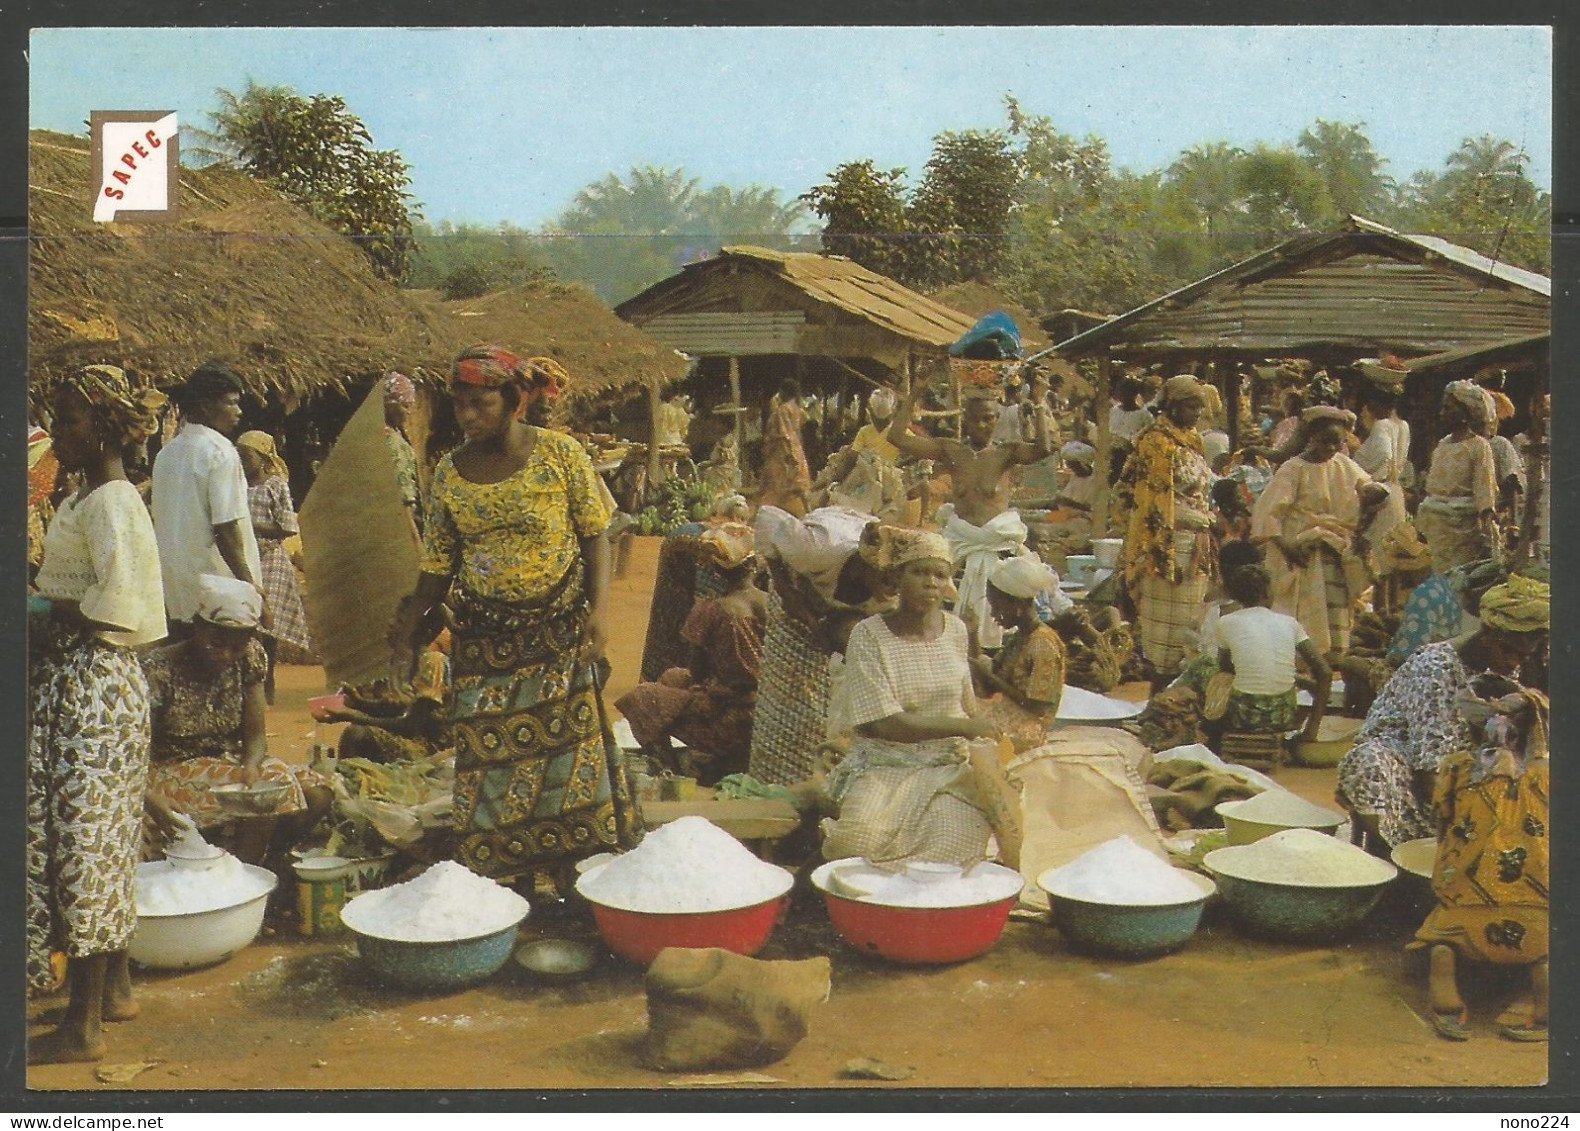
(713, 1008)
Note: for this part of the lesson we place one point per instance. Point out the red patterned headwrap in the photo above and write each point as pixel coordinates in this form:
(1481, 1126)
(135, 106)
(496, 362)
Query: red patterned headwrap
(494, 367)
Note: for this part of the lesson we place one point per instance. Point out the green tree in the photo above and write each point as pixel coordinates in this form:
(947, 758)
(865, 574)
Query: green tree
(502, 255)
(1282, 194)
(960, 215)
(1351, 170)
(1485, 200)
(319, 155)
(622, 234)
(863, 211)
(1206, 180)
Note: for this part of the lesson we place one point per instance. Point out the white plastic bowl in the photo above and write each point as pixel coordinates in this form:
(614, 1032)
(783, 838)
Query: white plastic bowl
(203, 938)
(1106, 551)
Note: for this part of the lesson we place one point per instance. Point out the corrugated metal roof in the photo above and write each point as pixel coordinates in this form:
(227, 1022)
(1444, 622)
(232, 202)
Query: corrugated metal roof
(1360, 286)
(1477, 356)
(832, 280)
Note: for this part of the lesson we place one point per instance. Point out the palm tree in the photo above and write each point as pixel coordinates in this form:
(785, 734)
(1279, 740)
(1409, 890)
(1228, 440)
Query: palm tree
(1207, 176)
(1350, 168)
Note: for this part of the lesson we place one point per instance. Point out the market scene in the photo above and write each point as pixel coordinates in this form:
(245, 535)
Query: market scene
(928, 644)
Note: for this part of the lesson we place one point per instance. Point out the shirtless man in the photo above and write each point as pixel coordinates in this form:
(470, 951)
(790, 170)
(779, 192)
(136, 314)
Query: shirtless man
(981, 527)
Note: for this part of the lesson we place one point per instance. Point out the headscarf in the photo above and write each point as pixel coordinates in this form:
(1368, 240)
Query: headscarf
(494, 367)
(1403, 550)
(1181, 388)
(399, 389)
(211, 379)
(732, 506)
(228, 602)
(42, 466)
(1077, 452)
(263, 444)
(881, 403)
(1476, 401)
(1024, 577)
(1520, 604)
(131, 415)
(917, 545)
(1324, 388)
(1471, 576)
(1327, 412)
(726, 545)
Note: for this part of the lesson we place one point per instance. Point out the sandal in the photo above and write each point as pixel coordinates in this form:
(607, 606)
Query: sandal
(1529, 1033)
(1450, 1025)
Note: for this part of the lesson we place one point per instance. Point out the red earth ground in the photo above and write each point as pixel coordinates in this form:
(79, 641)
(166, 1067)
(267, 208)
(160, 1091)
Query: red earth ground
(291, 1013)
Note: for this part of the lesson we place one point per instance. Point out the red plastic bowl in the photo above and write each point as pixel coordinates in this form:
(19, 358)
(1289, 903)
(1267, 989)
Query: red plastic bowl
(640, 935)
(915, 935)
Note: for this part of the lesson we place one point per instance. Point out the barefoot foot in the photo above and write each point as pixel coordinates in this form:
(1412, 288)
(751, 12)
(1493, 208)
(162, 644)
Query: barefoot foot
(63, 1046)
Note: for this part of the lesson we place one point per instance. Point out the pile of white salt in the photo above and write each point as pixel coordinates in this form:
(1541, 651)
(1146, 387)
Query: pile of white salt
(1120, 871)
(686, 866)
(447, 902)
(1280, 807)
(161, 888)
(1301, 858)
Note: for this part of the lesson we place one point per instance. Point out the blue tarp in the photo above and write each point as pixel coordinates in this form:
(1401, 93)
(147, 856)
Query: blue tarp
(995, 337)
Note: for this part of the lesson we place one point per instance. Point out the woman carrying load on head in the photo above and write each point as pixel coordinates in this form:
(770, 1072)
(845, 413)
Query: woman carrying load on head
(1457, 517)
(1166, 490)
(515, 545)
(88, 725)
(1388, 778)
(905, 789)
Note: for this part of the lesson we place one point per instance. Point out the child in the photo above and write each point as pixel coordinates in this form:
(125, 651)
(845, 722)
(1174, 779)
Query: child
(273, 521)
(1261, 648)
(1490, 877)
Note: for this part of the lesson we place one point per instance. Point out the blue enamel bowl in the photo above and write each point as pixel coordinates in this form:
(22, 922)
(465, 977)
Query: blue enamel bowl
(1129, 930)
(449, 965)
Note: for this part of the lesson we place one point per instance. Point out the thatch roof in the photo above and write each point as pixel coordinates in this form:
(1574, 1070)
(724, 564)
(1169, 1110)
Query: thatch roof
(977, 299)
(240, 274)
(751, 300)
(1358, 288)
(605, 356)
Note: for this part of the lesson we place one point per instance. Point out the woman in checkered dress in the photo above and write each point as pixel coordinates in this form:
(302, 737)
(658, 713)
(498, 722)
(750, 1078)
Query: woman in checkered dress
(905, 789)
(273, 521)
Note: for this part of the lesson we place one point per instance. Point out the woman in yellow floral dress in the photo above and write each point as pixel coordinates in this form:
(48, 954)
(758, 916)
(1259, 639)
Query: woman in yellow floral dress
(514, 542)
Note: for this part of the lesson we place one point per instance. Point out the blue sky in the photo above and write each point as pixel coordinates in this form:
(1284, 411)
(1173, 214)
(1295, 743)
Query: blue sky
(506, 124)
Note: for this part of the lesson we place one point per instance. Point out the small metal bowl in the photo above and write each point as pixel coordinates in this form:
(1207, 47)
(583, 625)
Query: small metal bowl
(556, 960)
(257, 800)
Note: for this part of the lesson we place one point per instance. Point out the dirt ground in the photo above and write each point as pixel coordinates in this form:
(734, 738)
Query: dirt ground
(1225, 1011)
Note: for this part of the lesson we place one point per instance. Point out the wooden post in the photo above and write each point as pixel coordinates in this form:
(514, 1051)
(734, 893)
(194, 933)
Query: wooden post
(1231, 401)
(1535, 448)
(655, 467)
(735, 401)
(1105, 442)
(960, 404)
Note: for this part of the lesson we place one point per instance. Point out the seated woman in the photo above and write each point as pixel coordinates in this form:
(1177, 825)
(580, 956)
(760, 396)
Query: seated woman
(393, 728)
(1389, 777)
(1381, 642)
(1490, 878)
(905, 790)
(709, 704)
(207, 707)
(1261, 647)
(1027, 674)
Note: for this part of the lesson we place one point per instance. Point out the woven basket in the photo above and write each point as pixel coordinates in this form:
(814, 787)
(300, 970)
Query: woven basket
(1254, 750)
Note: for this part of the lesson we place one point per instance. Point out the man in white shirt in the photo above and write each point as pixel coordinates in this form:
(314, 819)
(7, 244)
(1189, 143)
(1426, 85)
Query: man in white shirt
(200, 509)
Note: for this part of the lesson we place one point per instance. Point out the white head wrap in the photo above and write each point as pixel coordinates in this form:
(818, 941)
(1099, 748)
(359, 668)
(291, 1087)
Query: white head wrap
(228, 602)
(1024, 577)
(1077, 452)
(881, 403)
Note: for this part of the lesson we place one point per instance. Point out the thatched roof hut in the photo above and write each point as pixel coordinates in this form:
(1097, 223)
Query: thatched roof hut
(239, 274)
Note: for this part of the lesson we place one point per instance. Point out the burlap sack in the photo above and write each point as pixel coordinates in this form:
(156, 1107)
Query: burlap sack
(716, 1009)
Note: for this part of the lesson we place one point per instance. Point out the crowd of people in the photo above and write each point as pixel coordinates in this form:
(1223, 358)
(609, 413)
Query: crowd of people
(872, 658)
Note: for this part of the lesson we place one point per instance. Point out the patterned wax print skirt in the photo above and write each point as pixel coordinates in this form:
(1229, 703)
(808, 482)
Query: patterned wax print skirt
(539, 780)
(87, 769)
